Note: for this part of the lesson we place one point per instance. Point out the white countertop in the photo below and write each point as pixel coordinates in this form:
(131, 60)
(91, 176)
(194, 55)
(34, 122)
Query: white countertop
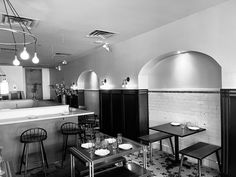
(74, 113)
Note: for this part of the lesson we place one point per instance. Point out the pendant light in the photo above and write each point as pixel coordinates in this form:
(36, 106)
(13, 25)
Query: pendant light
(35, 59)
(16, 62)
(20, 28)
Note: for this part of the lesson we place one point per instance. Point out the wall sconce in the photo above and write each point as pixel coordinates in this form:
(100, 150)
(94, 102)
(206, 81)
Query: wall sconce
(125, 82)
(104, 82)
(58, 68)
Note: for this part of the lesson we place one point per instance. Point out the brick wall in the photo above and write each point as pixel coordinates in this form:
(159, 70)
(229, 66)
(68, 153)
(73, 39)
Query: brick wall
(199, 107)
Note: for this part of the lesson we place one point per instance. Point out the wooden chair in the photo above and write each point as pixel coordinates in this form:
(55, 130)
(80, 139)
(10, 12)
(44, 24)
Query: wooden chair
(199, 151)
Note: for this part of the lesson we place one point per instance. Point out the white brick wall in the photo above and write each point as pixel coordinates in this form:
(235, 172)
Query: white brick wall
(202, 109)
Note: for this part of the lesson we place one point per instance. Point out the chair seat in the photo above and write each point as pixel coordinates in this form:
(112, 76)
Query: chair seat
(33, 138)
(154, 137)
(200, 150)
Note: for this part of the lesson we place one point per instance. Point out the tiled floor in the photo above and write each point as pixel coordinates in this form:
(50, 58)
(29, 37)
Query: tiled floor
(158, 168)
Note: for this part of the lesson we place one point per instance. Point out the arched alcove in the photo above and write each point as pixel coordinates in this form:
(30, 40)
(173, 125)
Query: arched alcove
(189, 69)
(88, 80)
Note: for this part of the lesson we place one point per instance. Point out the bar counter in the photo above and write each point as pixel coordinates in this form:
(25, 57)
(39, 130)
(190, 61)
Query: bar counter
(50, 118)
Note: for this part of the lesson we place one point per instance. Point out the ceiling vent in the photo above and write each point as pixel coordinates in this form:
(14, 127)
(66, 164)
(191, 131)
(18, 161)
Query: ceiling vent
(60, 55)
(30, 23)
(100, 34)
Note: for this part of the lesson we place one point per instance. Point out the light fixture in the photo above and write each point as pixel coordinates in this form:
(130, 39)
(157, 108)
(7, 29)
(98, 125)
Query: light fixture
(64, 62)
(35, 59)
(58, 68)
(106, 46)
(16, 62)
(125, 82)
(21, 28)
(24, 54)
(103, 82)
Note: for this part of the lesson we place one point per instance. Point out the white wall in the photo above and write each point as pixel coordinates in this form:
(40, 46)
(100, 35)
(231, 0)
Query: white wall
(15, 76)
(212, 31)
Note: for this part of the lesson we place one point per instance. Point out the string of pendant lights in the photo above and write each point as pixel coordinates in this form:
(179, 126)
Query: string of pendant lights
(22, 30)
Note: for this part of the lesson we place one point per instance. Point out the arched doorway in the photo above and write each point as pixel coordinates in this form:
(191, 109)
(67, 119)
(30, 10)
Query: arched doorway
(89, 82)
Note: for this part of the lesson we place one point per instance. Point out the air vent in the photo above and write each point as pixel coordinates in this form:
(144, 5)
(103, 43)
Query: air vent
(60, 55)
(30, 23)
(7, 50)
(100, 34)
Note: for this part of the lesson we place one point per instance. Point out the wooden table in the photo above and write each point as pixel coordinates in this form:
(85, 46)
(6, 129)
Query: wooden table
(177, 132)
(91, 159)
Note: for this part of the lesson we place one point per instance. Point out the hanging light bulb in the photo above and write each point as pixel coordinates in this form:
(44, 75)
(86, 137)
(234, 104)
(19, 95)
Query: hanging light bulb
(16, 62)
(35, 59)
(24, 54)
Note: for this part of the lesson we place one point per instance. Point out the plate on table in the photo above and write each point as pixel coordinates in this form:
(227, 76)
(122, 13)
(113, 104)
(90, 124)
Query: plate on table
(102, 152)
(87, 145)
(175, 123)
(193, 128)
(125, 146)
(110, 140)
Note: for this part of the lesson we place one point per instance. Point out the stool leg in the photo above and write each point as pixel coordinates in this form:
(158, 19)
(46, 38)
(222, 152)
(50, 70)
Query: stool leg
(172, 147)
(160, 145)
(26, 160)
(218, 160)
(44, 154)
(181, 164)
(64, 153)
(151, 152)
(199, 168)
(22, 158)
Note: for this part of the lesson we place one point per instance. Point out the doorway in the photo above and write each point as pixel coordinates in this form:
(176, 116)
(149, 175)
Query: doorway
(33, 79)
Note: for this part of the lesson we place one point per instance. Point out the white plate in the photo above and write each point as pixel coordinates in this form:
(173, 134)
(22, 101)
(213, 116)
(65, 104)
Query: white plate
(125, 146)
(193, 128)
(175, 123)
(110, 140)
(87, 145)
(102, 152)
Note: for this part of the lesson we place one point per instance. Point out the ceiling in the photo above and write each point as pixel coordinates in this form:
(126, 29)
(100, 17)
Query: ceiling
(63, 24)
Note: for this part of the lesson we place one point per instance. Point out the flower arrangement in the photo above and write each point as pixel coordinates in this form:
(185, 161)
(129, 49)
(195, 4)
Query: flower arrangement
(61, 89)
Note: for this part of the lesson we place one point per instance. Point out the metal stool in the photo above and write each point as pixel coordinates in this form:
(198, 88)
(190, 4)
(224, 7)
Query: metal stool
(33, 135)
(70, 128)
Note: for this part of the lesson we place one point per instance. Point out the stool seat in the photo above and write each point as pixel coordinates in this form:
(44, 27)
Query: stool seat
(200, 150)
(33, 138)
(159, 136)
(69, 131)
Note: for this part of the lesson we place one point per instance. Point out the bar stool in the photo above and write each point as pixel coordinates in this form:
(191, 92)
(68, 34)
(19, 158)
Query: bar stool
(33, 135)
(70, 128)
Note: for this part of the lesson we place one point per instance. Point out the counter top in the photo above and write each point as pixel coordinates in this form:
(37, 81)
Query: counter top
(73, 113)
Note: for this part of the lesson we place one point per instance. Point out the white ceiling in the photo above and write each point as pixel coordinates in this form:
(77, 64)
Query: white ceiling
(64, 24)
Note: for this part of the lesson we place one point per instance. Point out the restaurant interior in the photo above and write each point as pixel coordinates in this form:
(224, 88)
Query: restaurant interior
(117, 88)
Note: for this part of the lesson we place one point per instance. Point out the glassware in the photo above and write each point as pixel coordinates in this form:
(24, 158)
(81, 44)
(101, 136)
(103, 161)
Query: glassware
(91, 145)
(119, 138)
(1, 162)
(97, 141)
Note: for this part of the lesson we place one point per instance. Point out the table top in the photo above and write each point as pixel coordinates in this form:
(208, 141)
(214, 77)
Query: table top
(176, 130)
(90, 156)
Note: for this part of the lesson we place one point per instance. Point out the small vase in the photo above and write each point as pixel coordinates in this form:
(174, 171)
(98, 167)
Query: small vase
(63, 99)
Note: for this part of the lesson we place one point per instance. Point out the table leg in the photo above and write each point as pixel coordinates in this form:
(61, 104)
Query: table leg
(91, 169)
(72, 165)
(145, 157)
(176, 149)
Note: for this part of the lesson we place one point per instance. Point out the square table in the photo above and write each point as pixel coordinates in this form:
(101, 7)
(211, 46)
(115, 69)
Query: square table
(91, 159)
(176, 131)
